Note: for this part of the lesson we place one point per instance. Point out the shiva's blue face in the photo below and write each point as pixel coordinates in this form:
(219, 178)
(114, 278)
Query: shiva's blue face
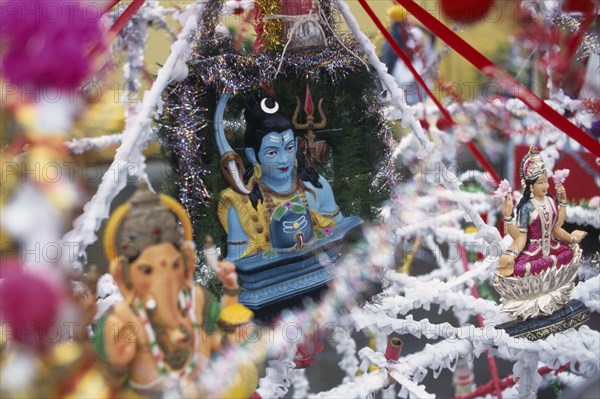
(277, 156)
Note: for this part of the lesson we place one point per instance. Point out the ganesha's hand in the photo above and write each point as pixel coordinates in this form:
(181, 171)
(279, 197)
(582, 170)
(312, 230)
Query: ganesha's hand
(506, 265)
(227, 275)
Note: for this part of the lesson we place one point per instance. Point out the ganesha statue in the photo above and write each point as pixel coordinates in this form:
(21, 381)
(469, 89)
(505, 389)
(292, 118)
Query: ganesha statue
(163, 332)
(280, 215)
(537, 273)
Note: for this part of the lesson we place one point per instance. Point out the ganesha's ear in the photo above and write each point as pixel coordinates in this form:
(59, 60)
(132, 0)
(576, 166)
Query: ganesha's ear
(119, 269)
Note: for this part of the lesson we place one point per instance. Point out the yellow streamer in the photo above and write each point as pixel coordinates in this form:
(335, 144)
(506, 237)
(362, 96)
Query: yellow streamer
(406, 267)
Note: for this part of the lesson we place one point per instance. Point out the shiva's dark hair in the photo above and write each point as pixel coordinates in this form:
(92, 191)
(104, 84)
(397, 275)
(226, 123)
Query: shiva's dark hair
(258, 125)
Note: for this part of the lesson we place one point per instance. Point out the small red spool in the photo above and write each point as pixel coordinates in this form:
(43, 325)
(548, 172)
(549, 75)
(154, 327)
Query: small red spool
(394, 349)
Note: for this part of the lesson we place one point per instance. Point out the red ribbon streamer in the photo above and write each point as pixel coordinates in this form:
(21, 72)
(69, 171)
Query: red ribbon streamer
(109, 5)
(405, 59)
(119, 24)
(129, 12)
(504, 79)
(481, 159)
(472, 147)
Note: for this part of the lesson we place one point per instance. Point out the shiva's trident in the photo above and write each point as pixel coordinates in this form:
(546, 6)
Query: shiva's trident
(313, 150)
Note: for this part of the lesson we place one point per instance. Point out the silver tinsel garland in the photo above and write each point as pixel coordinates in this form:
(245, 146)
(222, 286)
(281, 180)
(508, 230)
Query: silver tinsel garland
(589, 43)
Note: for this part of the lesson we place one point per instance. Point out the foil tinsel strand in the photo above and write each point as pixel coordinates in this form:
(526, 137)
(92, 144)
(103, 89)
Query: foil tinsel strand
(183, 119)
(211, 18)
(589, 43)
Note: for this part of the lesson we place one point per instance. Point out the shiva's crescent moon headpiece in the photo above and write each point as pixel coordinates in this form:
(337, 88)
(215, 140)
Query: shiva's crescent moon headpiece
(147, 219)
(259, 114)
(532, 165)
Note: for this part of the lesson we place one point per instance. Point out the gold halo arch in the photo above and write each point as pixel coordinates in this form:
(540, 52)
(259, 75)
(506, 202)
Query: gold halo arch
(114, 222)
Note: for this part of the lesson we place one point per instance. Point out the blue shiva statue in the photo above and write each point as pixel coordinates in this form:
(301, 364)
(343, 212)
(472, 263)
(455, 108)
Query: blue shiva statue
(280, 215)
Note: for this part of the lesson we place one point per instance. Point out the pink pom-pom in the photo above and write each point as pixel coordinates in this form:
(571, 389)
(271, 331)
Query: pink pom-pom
(503, 190)
(560, 176)
(28, 306)
(49, 43)
(594, 202)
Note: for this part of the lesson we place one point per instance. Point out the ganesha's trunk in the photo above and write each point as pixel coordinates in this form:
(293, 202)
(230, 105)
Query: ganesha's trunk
(167, 311)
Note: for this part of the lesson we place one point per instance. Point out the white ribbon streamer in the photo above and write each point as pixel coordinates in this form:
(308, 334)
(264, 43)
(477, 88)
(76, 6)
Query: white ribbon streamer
(300, 383)
(79, 146)
(129, 160)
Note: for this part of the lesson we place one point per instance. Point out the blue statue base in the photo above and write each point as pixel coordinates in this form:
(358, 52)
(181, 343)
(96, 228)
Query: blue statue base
(275, 280)
(572, 315)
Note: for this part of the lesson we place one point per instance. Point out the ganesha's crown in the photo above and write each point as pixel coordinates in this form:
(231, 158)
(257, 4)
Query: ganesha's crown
(147, 219)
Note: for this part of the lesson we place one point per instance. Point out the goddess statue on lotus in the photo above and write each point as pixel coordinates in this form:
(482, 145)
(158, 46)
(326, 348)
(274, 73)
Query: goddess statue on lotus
(536, 274)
